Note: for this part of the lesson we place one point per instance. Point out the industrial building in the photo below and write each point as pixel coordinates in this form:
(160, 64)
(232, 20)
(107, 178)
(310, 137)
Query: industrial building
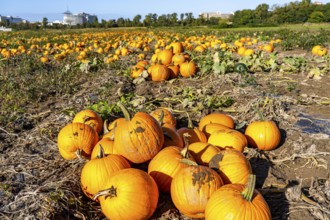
(80, 18)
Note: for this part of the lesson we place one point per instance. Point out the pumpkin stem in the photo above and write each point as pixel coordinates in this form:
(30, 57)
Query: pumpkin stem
(78, 153)
(125, 111)
(111, 192)
(249, 188)
(86, 118)
(101, 152)
(161, 118)
(190, 124)
(261, 116)
(185, 150)
(105, 126)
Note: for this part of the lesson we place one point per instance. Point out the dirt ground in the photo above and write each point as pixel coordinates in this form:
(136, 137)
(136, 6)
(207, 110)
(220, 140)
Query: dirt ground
(36, 183)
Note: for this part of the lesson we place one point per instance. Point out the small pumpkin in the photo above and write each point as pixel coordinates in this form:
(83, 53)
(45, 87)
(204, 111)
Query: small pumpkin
(237, 201)
(95, 172)
(106, 143)
(264, 135)
(178, 59)
(168, 119)
(139, 138)
(232, 166)
(128, 194)
(228, 138)
(174, 71)
(188, 69)
(192, 187)
(195, 135)
(219, 118)
(177, 47)
(76, 140)
(89, 117)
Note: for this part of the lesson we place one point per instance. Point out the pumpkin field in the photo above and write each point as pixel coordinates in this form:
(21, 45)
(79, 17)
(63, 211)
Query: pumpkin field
(155, 123)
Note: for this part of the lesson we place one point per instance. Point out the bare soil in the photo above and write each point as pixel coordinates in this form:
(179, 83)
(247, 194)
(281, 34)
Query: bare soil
(36, 183)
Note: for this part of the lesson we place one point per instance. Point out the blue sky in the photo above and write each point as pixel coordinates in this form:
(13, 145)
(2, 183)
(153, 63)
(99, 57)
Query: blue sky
(35, 10)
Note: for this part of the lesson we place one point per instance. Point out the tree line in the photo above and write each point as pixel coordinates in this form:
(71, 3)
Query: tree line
(263, 15)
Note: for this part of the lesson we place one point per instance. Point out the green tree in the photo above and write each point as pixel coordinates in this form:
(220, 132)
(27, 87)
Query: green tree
(137, 20)
(44, 22)
(316, 17)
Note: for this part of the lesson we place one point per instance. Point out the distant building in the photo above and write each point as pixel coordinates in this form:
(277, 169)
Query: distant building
(11, 19)
(318, 3)
(74, 19)
(208, 15)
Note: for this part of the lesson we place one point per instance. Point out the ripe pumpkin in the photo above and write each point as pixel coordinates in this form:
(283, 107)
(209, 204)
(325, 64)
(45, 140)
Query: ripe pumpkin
(129, 194)
(177, 47)
(212, 127)
(95, 172)
(203, 152)
(172, 138)
(174, 71)
(195, 135)
(188, 69)
(177, 59)
(165, 57)
(219, 118)
(237, 201)
(166, 117)
(90, 118)
(159, 73)
(106, 143)
(138, 139)
(264, 135)
(228, 138)
(232, 166)
(167, 163)
(192, 187)
(76, 140)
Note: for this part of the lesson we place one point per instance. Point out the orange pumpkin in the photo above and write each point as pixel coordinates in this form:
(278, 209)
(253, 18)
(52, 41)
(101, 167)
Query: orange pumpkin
(264, 135)
(208, 129)
(76, 140)
(91, 118)
(166, 164)
(232, 166)
(203, 152)
(165, 57)
(174, 71)
(107, 145)
(195, 135)
(192, 187)
(166, 117)
(138, 139)
(95, 172)
(177, 47)
(172, 137)
(159, 73)
(228, 138)
(129, 194)
(237, 201)
(219, 118)
(177, 59)
(188, 69)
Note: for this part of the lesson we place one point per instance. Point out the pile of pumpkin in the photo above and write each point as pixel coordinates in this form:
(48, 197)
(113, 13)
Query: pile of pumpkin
(202, 168)
(167, 63)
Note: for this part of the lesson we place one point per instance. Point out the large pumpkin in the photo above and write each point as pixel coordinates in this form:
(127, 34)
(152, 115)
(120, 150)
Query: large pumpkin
(232, 166)
(89, 117)
(96, 171)
(264, 135)
(75, 140)
(237, 201)
(219, 118)
(228, 138)
(138, 139)
(159, 73)
(166, 164)
(165, 57)
(192, 187)
(129, 194)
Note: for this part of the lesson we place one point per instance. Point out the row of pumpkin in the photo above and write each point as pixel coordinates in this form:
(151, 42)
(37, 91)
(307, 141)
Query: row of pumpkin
(203, 168)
